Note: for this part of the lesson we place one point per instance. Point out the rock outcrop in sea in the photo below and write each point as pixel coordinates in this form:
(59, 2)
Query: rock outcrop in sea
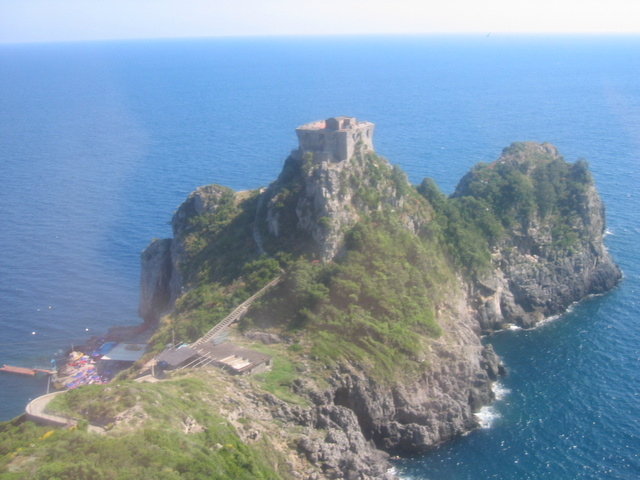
(533, 279)
(550, 256)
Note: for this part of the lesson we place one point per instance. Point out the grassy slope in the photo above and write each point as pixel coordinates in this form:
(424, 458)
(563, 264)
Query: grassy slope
(149, 441)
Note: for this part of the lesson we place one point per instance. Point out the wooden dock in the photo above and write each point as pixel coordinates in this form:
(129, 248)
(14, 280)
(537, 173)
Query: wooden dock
(24, 371)
(18, 370)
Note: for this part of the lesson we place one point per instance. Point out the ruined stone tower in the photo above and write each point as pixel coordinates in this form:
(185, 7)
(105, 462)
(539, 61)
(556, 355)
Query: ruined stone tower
(334, 139)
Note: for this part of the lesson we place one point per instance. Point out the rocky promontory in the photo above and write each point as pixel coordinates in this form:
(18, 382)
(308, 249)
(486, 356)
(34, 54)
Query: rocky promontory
(387, 289)
(545, 262)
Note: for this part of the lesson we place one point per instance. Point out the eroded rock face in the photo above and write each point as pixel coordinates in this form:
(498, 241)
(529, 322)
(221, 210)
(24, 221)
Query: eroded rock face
(155, 279)
(532, 278)
(161, 281)
(315, 200)
(323, 208)
(529, 289)
(328, 443)
(437, 405)
(321, 199)
(341, 451)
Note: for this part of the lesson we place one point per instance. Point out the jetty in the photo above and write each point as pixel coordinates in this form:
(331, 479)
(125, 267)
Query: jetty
(24, 371)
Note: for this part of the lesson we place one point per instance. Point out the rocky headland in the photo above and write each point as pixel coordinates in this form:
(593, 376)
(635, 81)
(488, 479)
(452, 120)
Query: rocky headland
(388, 288)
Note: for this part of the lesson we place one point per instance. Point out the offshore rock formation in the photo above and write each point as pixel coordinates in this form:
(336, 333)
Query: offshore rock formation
(532, 280)
(330, 183)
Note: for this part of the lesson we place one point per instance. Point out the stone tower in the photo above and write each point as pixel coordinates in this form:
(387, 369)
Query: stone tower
(334, 139)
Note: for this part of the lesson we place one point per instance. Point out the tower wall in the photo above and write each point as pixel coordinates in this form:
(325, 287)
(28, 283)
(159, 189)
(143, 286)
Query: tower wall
(334, 139)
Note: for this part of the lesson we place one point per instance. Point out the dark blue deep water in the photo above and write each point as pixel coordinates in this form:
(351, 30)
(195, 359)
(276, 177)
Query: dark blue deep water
(100, 142)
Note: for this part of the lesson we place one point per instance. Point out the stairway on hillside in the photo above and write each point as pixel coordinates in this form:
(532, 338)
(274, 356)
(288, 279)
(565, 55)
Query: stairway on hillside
(236, 314)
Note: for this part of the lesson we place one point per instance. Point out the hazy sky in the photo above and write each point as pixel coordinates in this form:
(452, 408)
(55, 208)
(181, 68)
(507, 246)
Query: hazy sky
(62, 20)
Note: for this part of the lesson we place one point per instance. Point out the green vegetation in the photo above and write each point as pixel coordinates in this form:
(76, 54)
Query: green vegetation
(464, 226)
(219, 243)
(158, 448)
(279, 380)
(374, 306)
(530, 187)
(527, 188)
(221, 267)
(95, 403)
(209, 302)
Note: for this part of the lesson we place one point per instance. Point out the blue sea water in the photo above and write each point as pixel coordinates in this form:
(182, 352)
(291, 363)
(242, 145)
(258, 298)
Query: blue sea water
(100, 142)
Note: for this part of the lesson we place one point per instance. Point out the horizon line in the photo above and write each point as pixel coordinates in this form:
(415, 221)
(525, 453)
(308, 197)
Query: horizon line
(328, 35)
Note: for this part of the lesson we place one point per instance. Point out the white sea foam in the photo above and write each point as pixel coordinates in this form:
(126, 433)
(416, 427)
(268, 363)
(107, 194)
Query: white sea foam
(544, 321)
(500, 391)
(394, 471)
(488, 414)
(551, 318)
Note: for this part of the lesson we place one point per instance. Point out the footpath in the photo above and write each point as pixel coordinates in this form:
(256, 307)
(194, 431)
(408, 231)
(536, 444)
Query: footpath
(35, 412)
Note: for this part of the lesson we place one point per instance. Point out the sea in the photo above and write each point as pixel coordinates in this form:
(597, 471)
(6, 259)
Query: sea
(101, 142)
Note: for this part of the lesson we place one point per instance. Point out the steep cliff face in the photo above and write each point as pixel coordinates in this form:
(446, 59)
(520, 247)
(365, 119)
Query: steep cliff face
(546, 260)
(539, 219)
(316, 201)
(439, 404)
(156, 269)
(161, 278)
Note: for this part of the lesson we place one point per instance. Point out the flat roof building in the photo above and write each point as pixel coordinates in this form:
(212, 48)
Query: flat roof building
(236, 359)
